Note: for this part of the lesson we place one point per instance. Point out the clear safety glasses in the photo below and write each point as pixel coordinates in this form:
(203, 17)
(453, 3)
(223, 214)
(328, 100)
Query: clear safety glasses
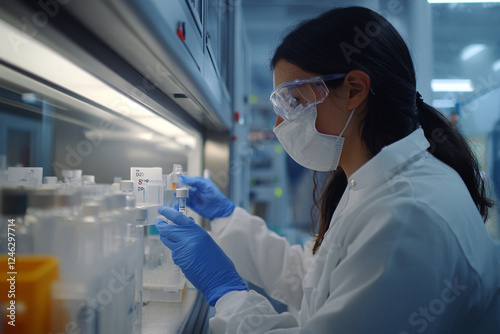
(292, 98)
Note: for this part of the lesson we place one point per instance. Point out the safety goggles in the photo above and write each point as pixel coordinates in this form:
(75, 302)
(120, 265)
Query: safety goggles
(292, 98)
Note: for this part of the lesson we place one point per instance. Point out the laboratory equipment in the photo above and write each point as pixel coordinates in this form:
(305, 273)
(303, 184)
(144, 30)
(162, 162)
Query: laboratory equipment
(163, 280)
(148, 189)
(182, 194)
(92, 231)
(28, 176)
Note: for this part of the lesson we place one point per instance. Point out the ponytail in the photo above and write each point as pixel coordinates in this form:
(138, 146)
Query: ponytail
(449, 146)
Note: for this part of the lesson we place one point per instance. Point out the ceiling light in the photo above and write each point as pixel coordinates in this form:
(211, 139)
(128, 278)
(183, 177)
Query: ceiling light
(145, 136)
(471, 50)
(451, 85)
(44, 62)
(496, 65)
(443, 103)
(461, 1)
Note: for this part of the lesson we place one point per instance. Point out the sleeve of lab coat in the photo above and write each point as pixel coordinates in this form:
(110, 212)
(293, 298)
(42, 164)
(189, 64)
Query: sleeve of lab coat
(389, 255)
(262, 257)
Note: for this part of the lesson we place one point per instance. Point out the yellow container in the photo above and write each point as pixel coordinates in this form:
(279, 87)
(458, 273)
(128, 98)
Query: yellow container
(30, 291)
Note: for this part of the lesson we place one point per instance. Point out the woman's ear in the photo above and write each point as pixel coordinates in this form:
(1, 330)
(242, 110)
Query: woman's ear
(358, 83)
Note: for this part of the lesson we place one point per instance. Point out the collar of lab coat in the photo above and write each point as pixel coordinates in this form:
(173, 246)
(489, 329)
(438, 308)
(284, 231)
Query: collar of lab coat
(389, 161)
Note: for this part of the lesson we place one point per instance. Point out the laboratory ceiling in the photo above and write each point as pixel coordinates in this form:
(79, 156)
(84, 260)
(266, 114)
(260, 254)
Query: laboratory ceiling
(464, 38)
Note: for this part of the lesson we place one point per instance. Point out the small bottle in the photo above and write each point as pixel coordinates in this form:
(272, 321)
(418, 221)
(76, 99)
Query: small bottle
(88, 179)
(182, 194)
(54, 214)
(41, 216)
(119, 204)
(68, 175)
(176, 176)
(77, 176)
(89, 241)
(127, 187)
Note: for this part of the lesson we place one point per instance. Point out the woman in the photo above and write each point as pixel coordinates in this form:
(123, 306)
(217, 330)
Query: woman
(401, 246)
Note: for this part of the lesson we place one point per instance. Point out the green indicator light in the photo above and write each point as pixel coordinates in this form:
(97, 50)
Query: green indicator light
(278, 192)
(278, 149)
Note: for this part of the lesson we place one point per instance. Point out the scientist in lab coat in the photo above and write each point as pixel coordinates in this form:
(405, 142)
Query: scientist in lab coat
(401, 246)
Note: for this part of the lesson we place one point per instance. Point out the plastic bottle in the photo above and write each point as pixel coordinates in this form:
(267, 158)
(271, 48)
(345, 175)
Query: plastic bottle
(77, 176)
(74, 292)
(133, 257)
(117, 260)
(90, 246)
(176, 176)
(41, 216)
(68, 175)
(127, 187)
(133, 247)
(141, 217)
(66, 220)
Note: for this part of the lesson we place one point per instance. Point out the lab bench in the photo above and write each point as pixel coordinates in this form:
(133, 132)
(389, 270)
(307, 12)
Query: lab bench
(187, 316)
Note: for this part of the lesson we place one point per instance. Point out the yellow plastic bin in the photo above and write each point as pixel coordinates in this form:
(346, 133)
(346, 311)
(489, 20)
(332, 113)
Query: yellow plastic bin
(29, 290)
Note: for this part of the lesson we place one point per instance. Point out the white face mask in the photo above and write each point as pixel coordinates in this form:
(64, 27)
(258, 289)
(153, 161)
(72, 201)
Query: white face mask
(308, 147)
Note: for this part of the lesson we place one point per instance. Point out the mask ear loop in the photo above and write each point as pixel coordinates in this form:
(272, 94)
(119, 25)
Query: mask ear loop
(346, 124)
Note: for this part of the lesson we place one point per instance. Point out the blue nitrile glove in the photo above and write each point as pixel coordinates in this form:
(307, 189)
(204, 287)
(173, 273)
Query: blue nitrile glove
(201, 260)
(206, 199)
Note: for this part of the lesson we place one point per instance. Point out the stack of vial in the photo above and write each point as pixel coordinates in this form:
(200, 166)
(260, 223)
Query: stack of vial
(110, 261)
(92, 231)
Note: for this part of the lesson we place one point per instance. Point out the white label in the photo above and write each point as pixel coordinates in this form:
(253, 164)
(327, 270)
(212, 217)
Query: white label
(148, 185)
(25, 175)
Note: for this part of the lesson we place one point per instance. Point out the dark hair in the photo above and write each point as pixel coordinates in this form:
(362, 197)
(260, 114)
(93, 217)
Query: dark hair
(345, 39)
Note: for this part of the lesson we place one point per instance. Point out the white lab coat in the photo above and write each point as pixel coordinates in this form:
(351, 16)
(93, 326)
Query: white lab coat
(406, 252)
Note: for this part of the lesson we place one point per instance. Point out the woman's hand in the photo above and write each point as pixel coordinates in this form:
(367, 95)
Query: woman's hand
(201, 260)
(206, 199)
